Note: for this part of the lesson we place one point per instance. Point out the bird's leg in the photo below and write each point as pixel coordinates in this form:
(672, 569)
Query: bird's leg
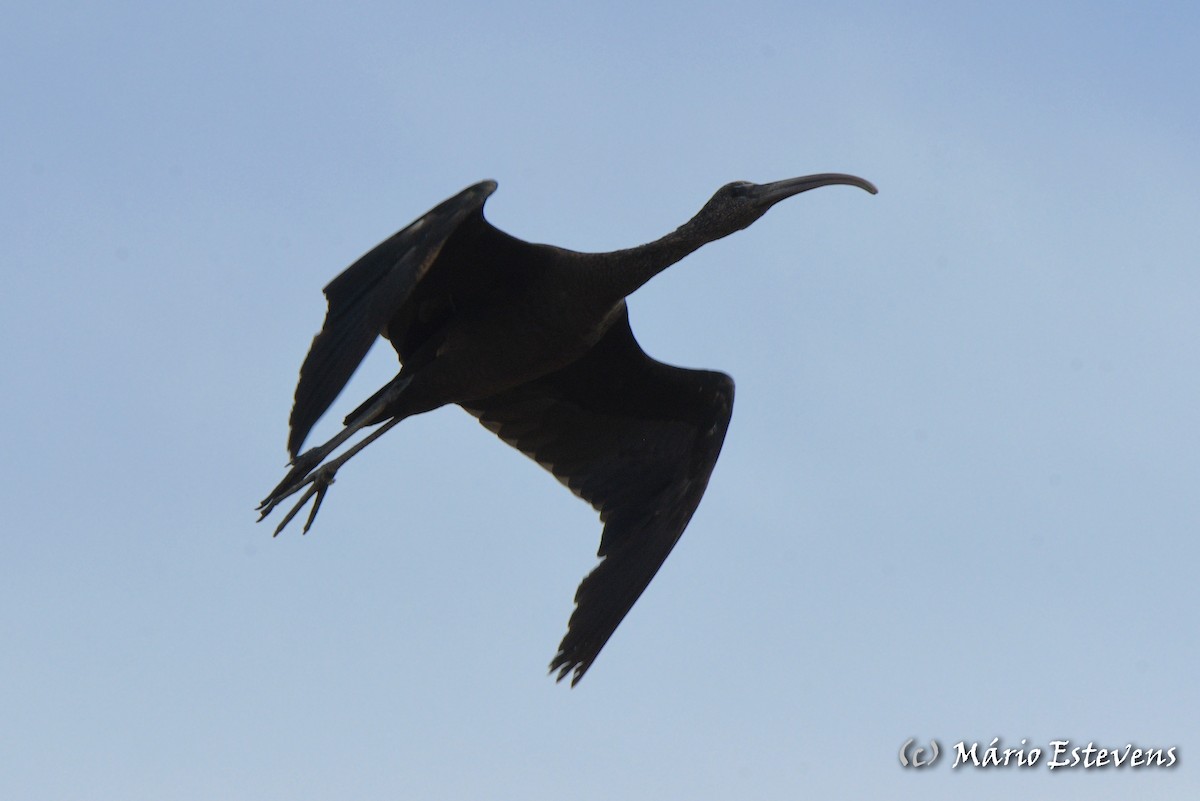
(318, 482)
(307, 470)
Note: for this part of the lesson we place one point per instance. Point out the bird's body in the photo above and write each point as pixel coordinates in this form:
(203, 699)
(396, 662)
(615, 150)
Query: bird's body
(534, 341)
(470, 339)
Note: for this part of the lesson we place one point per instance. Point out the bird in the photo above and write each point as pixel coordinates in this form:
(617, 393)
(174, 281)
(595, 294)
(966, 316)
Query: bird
(535, 342)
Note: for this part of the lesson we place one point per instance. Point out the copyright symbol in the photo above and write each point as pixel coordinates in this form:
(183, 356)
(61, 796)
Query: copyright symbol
(914, 757)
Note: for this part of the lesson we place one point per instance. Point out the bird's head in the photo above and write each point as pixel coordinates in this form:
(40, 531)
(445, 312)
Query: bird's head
(736, 205)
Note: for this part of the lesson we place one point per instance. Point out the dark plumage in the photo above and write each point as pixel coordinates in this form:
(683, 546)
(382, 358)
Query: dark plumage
(534, 341)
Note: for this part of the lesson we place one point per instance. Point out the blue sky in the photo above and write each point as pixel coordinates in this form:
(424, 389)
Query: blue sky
(957, 499)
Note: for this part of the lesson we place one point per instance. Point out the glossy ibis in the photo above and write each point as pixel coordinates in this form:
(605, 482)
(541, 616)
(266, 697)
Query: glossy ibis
(534, 340)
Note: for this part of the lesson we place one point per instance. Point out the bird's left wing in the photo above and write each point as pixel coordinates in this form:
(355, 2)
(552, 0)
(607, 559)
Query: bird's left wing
(364, 297)
(635, 438)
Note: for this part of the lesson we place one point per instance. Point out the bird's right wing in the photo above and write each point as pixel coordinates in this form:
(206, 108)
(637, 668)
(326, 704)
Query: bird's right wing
(635, 438)
(364, 297)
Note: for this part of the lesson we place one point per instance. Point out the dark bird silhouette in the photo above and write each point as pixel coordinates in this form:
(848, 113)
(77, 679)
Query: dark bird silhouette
(534, 340)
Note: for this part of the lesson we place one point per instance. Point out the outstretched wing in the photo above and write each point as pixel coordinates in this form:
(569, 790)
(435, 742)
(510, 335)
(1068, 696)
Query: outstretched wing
(635, 438)
(362, 300)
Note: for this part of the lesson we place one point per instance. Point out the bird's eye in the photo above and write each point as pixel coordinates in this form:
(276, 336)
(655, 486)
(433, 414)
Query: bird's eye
(737, 188)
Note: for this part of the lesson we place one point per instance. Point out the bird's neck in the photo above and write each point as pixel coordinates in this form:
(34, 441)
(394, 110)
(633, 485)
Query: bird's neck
(622, 272)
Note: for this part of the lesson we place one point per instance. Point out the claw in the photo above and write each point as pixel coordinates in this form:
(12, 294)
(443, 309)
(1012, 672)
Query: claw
(318, 484)
(322, 487)
(301, 466)
(288, 517)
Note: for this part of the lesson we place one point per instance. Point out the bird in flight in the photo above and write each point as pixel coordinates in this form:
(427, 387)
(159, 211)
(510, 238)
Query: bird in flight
(534, 341)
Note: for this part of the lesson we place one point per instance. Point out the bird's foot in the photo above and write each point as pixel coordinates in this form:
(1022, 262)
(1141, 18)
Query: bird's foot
(318, 483)
(295, 480)
(306, 473)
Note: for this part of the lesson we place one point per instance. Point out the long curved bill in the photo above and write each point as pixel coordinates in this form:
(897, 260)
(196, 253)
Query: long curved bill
(772, 193)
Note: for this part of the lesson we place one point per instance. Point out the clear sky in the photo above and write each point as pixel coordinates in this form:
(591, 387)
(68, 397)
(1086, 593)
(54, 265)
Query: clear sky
(958, 498)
